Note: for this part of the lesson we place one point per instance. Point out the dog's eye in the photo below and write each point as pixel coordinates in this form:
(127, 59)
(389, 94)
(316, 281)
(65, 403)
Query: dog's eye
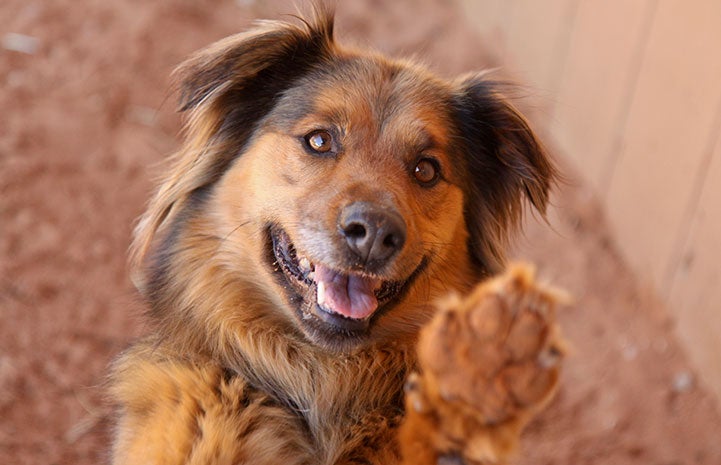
(319, 141)
(427, 171)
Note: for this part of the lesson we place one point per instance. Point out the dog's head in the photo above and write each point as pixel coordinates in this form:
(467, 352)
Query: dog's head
(332, 192)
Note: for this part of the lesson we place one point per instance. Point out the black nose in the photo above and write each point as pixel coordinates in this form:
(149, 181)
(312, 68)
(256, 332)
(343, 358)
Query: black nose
(373, 233)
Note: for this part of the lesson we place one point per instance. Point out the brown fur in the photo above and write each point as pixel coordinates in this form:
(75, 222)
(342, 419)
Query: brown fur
(231, 373)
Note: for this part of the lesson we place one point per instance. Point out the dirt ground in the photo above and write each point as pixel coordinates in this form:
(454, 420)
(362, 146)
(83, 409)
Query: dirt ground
(85, 120)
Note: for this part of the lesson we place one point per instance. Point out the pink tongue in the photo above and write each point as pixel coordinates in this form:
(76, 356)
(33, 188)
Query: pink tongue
(348, 295)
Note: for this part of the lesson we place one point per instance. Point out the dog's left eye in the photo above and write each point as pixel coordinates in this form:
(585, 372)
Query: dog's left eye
(320, 141)
(427, 171)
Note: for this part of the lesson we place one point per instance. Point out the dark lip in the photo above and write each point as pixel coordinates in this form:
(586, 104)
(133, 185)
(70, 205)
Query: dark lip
(321, 325)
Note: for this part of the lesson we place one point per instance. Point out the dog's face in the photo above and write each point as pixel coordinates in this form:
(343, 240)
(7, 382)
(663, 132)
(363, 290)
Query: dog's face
(355, 191)
(344, 191)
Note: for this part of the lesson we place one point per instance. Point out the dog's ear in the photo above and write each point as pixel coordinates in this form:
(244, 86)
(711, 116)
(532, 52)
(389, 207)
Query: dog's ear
(505, 164)
(260, 62)
(229, 86)
(226, 90)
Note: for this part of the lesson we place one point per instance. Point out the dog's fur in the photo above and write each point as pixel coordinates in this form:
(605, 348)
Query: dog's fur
(242, 366)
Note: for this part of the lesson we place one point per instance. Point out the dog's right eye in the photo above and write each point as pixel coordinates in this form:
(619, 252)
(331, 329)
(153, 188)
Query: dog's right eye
(319, 141)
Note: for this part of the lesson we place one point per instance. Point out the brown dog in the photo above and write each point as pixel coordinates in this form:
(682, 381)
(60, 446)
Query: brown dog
(324, 201)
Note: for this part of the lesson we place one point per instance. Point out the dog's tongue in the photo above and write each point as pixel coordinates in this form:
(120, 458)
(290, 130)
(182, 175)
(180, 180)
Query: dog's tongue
(349, 295)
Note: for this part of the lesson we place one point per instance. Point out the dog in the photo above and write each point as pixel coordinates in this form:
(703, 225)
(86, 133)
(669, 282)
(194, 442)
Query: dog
(311, 265)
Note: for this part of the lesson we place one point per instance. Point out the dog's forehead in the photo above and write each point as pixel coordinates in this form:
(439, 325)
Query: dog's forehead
(368, 93)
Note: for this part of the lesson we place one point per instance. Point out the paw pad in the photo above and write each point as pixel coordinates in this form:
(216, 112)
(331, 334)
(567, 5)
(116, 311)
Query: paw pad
(498, 351)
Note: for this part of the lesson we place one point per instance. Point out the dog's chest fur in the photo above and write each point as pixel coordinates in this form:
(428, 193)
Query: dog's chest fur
(349, 405)
(295, 408)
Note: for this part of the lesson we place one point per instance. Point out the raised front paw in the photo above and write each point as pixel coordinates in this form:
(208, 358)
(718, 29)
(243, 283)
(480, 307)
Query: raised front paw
(488, 363)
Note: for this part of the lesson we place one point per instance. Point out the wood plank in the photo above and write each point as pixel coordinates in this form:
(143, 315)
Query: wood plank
(695, 296)
(530, 39)
(594, 89)
(538, 39)
(668, 128)
(491, 19)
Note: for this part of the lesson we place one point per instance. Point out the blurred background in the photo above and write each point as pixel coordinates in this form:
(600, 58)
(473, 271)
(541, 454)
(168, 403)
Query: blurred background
(626, 95)
(631, 97)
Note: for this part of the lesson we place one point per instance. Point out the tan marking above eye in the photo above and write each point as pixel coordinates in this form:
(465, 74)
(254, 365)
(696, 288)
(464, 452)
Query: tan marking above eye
(320, 141)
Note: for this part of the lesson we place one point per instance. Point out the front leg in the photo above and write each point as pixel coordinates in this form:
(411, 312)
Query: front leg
(174, 412)
(488, 363)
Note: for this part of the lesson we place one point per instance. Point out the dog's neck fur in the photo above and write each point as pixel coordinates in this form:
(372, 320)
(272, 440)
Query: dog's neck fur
(329, 391)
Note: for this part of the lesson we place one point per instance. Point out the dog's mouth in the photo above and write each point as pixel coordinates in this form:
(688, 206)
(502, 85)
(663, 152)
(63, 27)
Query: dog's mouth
(332, 304)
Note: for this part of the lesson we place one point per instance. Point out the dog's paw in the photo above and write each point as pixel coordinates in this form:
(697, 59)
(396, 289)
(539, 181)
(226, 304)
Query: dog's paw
(488, 363)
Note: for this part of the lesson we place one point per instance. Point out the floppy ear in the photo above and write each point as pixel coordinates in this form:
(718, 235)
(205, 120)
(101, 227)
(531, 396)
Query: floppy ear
(505, 164)
(226, 90)
(260, 62)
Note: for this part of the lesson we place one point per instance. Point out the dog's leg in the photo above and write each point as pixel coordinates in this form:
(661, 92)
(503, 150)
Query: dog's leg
(174, 412)
(488, 363)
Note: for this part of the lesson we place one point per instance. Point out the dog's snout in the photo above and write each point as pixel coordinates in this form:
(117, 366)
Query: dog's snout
(373, 233)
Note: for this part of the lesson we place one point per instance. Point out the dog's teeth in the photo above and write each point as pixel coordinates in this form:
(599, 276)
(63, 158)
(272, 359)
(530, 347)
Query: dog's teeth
(321, 292)
(311, 275)
(304, 264)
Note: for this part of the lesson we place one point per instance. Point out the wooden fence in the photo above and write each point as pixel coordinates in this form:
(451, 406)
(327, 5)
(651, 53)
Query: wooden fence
(632, 97)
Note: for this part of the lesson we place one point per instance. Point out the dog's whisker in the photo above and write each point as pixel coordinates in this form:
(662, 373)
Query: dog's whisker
(234, 230)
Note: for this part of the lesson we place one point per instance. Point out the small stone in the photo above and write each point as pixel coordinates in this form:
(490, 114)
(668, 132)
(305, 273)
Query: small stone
(630, 352)
(20, 43)
(682, 382)
(143, 115)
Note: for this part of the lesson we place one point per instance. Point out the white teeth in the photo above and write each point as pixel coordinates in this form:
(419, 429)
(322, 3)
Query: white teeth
(311, 275)
(321, 293)
(304, 264)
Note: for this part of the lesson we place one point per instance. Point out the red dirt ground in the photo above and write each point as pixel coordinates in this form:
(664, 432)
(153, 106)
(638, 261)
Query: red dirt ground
(84, 125)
